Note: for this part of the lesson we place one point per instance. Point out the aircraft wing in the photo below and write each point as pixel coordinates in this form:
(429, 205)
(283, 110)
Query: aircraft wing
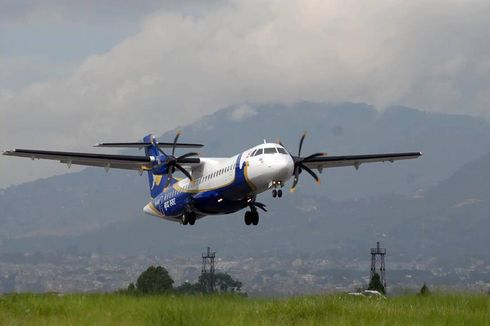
(323, 162)
(127, 162)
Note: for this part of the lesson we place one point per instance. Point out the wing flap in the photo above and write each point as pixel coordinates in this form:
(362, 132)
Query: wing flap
(356, 160)
(140, 145)
(89, 159)
(113, 161)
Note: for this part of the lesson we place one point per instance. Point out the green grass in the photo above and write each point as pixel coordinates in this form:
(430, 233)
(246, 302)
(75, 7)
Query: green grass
(118, 309)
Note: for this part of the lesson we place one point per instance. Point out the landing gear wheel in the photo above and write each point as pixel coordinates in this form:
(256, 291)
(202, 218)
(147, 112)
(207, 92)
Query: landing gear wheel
(274, 193)
(192, 218)
(185, 218)
(255, 218)
(279, 193)
(248, 218)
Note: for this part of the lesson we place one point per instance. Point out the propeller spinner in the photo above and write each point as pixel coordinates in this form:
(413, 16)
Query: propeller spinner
(173, 162)
(299, 165)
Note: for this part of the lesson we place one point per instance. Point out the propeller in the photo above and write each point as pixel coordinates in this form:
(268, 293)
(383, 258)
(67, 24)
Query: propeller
(299, 161)
(172, 162)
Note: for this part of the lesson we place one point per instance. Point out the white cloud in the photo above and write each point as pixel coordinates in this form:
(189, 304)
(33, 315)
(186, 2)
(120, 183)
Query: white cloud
(241, 113)
(428, 54)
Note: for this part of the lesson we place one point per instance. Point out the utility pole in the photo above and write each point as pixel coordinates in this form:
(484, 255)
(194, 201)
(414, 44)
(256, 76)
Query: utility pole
(381, 252)
(208, 259)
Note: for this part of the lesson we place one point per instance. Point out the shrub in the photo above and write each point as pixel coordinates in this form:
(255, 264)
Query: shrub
(155, 280)
(376, 285)
(424, 290)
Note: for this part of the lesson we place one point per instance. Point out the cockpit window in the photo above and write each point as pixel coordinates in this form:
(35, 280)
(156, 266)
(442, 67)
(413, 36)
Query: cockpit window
(258, 152)
(270, 150)
(282, 150)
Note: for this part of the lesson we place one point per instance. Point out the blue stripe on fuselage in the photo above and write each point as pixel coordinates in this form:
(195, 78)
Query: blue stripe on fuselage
(234, 197)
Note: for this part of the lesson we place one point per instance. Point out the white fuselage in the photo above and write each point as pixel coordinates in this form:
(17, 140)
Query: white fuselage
(265, 164)
(223, 185)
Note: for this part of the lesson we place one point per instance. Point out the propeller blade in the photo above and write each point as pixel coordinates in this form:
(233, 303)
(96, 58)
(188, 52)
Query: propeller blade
(295, 182)
(175, 141)
(313, 174)
(155, 143)
(181, 169)
(187, 155)
(301, 143)
(278, 141)
(313, 156)
(167, 182)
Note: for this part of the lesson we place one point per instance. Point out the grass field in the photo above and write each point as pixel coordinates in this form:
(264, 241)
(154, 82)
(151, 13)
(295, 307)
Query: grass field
(117, 309)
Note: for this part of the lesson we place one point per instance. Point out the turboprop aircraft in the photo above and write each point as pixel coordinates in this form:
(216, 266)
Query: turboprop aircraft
(211, 185)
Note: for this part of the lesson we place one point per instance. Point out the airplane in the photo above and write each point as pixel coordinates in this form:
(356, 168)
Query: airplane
(211, 185)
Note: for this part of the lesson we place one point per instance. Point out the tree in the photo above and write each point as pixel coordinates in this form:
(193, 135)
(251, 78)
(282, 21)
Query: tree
(205, 282)
(424, 290)
(131, 287)
(375, 284)
(154, 280)
(189, 288)
(223, 283)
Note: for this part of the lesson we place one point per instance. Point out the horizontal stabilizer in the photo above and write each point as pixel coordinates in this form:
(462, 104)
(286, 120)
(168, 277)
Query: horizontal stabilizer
(145, 144)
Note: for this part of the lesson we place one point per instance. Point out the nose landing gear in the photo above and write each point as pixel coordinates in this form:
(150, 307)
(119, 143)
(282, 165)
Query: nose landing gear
(277, 192)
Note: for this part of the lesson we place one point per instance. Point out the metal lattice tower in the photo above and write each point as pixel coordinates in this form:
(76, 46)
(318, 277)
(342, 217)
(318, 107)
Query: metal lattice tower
(381, 252)
(208, 259)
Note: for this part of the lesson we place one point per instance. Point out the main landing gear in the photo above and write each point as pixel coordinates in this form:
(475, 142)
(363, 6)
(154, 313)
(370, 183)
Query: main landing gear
(251, 218)
(277, 192)
(188, 218)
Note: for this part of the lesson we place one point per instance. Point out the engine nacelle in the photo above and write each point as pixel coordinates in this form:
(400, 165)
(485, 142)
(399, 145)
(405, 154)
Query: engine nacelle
(160, 166)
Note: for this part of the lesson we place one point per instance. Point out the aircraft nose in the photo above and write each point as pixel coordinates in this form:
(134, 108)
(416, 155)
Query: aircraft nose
(284, 168)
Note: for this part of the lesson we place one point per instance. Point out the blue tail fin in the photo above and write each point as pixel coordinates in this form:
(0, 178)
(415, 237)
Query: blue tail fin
(157, 182)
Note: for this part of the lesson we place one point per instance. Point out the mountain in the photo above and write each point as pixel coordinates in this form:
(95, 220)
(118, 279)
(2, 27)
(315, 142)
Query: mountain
(97, 211)
(447, 224)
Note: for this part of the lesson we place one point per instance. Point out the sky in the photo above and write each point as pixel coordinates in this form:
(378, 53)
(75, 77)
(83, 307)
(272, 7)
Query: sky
(73, 73)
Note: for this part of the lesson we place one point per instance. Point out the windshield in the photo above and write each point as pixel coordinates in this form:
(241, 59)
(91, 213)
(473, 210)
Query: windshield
(281, 150)
(270, 150)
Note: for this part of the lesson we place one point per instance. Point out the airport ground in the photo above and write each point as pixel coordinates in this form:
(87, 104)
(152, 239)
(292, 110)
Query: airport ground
(336, 309)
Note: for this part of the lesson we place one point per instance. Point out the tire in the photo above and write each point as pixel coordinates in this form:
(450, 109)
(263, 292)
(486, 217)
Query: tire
(185, 218)
(248, 218)
(274, 193)
(279, 193)
(255, 218)
(192, 219)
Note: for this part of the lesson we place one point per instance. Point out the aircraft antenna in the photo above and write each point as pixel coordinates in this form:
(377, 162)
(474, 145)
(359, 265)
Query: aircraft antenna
(208, 260)
(381, 253)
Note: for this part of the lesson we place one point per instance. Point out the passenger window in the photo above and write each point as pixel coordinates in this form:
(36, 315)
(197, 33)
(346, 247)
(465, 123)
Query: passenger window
(282, 150)
(270, 150)
(258, 152)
